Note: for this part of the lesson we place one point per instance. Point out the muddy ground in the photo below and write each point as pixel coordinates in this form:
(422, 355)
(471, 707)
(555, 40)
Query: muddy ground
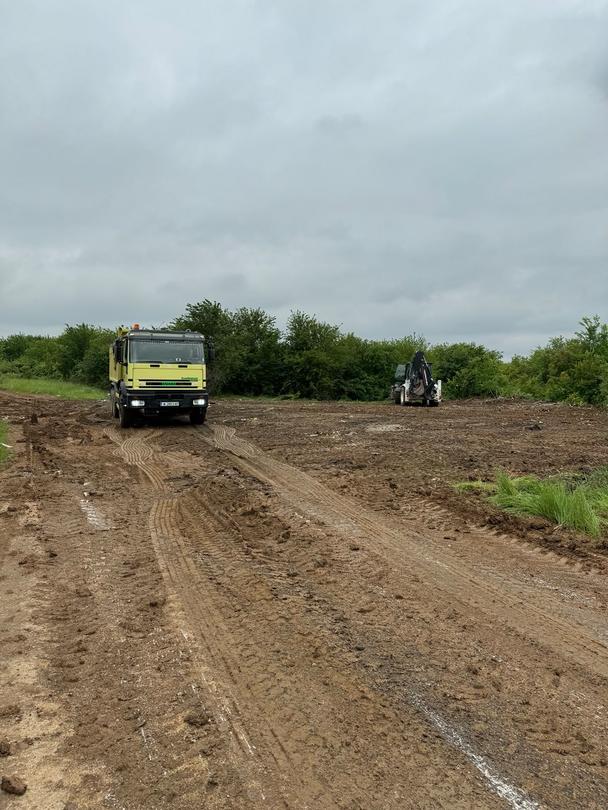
(292, 607)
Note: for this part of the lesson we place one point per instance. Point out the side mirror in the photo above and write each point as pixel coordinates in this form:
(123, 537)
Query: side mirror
(117, 351)
(210, 351)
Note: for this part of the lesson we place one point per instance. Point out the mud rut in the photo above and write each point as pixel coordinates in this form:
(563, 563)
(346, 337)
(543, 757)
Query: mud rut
(333, 656)
(281, 728)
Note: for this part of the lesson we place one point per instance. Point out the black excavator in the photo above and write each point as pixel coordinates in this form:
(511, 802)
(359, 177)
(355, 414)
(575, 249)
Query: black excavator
(414, 383)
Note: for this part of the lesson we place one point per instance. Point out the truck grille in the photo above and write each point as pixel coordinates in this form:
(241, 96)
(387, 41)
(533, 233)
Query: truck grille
(168, 383)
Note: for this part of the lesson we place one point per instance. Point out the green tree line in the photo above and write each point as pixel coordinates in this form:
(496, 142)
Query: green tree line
(313, 359)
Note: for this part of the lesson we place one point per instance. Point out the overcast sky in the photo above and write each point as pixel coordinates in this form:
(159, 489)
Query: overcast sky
(430, 165)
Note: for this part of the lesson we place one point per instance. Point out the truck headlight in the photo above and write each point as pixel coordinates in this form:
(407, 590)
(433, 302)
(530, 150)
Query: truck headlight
(137, 403)
(199, 401)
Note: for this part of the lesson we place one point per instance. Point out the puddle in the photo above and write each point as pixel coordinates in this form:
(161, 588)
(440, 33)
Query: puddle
(383, 428)
(94, 516)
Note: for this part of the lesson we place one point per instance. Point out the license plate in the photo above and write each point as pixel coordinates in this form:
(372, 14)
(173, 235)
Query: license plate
(169, 404)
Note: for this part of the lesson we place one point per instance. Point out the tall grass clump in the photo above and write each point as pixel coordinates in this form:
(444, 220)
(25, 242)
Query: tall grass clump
(579, 503)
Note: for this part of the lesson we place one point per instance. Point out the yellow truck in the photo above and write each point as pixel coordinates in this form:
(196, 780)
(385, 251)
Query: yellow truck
(155, 372)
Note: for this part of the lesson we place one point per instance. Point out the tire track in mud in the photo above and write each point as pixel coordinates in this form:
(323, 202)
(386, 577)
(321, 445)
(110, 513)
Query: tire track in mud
(453, 583)
(308, 495)
(187, 605)
(136, 451)
(210, 644)
(353, 520)
(262, 710)
(184, 581)
(227, 664)
(593, 564)
(581, 589)
(196, 545)
(252, 592)
(112, 645)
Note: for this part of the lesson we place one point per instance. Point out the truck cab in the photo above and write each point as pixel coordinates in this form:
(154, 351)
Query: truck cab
(154, 372)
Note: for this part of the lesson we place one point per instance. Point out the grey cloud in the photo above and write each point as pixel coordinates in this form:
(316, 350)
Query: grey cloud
(437, 166)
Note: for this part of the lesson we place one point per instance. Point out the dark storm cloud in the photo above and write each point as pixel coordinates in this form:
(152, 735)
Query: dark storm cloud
(430, 166)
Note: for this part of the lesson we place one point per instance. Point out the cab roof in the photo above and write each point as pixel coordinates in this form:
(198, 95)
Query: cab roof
(158, 334)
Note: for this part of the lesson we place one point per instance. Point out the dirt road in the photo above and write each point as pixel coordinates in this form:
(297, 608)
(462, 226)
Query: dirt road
(291, 607)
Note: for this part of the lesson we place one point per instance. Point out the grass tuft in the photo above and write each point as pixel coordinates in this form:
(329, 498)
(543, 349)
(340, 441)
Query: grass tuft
(49, 387)
(578, 503)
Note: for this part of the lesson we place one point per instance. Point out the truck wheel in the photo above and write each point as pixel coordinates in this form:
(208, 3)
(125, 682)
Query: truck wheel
(197, 417)
(113, 408)
(124, 416)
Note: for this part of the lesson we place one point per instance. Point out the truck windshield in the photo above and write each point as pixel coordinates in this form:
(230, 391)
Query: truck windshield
(165, 351)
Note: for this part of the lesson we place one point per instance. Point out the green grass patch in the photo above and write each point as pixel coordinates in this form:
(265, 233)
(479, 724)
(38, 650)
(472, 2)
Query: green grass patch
(49, 387)
(578, 502)
(573, 500)
(4, 451)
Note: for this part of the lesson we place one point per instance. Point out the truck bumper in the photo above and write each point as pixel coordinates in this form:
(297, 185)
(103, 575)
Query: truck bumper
(159, 402)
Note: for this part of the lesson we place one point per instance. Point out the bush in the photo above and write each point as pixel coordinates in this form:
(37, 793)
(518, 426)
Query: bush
(29, 355)
(467, 370)
(573, 370)
(83, 349)
(316, 359)
(247, 345)
(92, 369)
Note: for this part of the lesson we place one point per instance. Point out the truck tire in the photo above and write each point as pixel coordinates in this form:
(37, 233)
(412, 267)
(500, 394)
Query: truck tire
(113, 406)
(197, 417)
(124, 416)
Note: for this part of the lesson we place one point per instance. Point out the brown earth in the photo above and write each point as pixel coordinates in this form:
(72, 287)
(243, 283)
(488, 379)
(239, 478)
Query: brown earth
(292, 607)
